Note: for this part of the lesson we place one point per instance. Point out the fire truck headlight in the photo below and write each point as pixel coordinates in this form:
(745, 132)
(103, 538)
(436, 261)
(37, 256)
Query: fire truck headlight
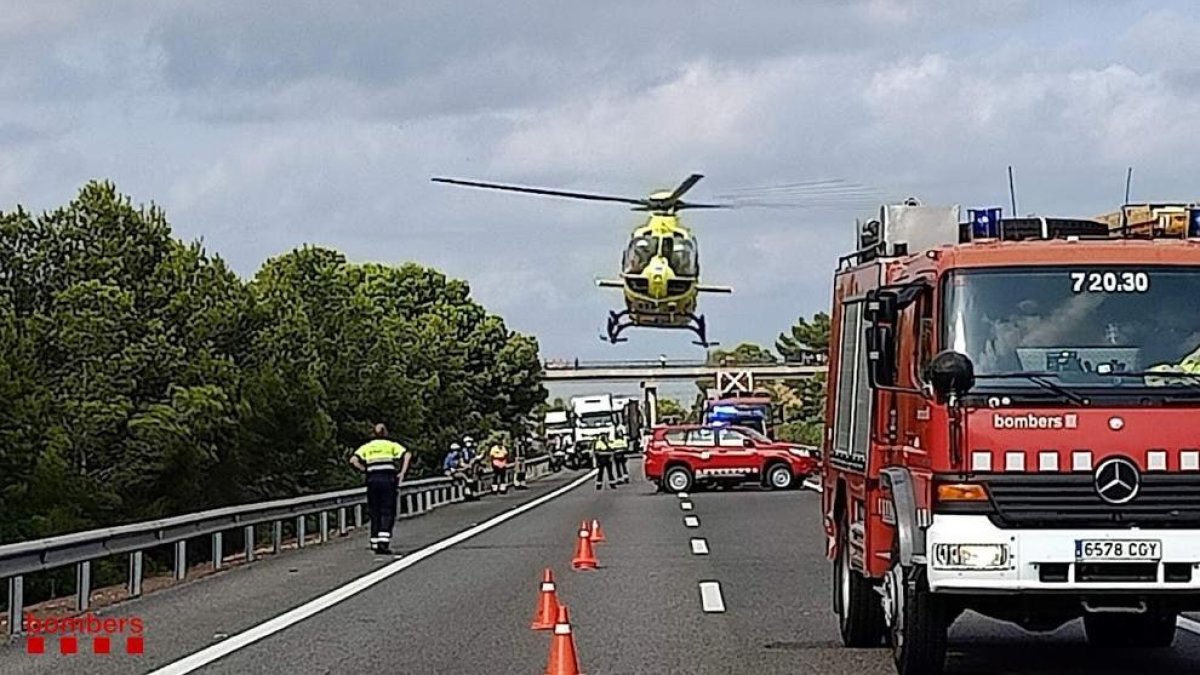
(800, 452)
(971, 556)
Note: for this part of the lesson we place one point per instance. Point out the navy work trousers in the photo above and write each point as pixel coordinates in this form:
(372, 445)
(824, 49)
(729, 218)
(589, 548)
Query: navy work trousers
(381, 502)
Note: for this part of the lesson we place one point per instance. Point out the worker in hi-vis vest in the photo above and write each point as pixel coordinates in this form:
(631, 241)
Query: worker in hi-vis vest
(378, 459)
(620, 448)
(602, 450)
(498, 456)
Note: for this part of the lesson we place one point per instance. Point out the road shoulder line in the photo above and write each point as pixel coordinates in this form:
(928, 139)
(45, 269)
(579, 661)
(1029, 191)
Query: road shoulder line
(298, 614)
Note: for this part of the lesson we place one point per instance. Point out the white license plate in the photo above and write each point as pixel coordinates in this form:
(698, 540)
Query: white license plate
(1088, 550)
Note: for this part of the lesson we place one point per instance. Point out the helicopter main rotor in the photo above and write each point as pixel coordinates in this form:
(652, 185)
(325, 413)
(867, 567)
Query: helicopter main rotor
(658, 204)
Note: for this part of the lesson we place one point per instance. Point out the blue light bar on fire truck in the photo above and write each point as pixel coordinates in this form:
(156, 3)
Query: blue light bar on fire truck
(985, 223)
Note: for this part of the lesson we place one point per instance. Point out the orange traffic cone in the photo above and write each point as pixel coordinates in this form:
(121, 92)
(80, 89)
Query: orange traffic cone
(597, 533)
(547, 610)
(563, 660)
(585, 558)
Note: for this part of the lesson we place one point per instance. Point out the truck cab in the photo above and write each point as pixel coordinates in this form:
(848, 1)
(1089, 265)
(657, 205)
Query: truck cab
(593, 416)
(1010, 429)
(556, 428)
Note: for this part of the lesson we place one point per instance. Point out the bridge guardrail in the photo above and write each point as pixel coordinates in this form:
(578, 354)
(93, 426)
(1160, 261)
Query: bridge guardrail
(81, 548)
(565, 364)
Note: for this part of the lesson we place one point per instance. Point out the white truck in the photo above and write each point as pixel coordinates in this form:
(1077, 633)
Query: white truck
(557, 427)
(593, 416)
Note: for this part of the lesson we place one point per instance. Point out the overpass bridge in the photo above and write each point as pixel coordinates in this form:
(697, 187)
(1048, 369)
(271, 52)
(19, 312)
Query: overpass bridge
(667, 370)
(728, 378)
(731, 581)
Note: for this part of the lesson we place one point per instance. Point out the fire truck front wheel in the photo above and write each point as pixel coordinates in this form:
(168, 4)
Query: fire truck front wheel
(860, 614)
(917, 622)
(1153, 629)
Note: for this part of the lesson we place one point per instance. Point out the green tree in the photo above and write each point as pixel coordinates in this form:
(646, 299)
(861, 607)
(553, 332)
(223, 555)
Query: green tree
(140, 377)
(807, 336)
(669, 407)
(744, 354)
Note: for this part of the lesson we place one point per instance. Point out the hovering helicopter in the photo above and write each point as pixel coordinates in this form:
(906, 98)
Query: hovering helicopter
(660, 269)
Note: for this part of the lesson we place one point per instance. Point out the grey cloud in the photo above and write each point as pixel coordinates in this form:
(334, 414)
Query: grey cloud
(261, 129)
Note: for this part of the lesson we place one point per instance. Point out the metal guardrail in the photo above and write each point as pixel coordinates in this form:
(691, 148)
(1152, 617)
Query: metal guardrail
(576, 364)
(563, 364)
(82, 548)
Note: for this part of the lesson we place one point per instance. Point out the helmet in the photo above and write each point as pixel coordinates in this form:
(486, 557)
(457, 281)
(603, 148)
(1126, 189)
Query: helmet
(455, 446)
(468, 440)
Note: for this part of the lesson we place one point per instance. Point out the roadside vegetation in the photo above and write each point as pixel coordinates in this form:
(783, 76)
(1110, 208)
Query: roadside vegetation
(140, 377)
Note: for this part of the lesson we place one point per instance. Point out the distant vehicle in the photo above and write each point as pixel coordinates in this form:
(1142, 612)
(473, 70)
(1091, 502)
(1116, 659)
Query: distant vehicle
(593, 416)
(680, 457)
(752, 412)
(556, 428)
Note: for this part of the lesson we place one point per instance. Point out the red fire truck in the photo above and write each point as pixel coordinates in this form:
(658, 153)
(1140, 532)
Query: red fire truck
(1011, 429)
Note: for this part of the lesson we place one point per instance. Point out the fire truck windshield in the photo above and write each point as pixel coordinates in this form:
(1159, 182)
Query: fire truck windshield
(1082, 325)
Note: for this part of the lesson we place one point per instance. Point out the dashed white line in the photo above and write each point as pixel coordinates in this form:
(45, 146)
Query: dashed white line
(683, 495)
(691, 521)
(686, 506)
(710, 596)
(294, 616)
(699, 547)
(1188, 625)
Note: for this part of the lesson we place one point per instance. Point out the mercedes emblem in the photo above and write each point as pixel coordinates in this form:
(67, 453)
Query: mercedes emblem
(1117, 480)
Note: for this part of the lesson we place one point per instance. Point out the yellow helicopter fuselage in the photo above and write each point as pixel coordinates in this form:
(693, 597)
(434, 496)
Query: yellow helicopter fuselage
(661, 273)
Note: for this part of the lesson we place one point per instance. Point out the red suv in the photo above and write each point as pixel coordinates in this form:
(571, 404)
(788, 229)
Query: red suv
(678, 457)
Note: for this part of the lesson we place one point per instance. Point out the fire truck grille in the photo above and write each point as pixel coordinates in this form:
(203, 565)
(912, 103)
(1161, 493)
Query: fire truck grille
(1064, 500)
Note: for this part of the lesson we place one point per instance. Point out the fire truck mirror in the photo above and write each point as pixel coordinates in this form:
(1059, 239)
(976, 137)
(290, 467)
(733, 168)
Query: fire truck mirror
(950, 374)
(882, 306)
(881, 366)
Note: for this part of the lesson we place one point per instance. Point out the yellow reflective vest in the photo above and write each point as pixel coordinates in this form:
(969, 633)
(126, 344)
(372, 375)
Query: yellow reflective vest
(499, 457)
(381, 455)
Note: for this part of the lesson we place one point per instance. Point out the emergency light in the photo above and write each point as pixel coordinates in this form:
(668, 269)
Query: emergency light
(985, 223)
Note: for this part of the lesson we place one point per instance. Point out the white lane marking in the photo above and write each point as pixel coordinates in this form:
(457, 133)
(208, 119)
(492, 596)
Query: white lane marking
(691, 521)
(815, 487)
(710, 596)
(683, 495)
(686, 506)
(294, 616)
(699, 547)
(1188, 625)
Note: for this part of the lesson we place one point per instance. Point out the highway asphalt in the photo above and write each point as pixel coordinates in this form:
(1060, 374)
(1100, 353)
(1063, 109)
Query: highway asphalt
(467, 608)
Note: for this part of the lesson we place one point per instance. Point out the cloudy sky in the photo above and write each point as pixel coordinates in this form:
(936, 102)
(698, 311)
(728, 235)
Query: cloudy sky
(260, 126)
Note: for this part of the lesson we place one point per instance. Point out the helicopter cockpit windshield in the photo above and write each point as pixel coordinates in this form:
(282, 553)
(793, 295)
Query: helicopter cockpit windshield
(640, 252)
(682, 255)
(680, 252)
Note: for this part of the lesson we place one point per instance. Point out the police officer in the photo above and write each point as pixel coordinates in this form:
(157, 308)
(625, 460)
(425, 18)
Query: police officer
(603, 452)
(377, 458)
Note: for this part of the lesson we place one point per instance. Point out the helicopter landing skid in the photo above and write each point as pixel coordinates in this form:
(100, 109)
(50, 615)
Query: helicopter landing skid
(616, 327)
